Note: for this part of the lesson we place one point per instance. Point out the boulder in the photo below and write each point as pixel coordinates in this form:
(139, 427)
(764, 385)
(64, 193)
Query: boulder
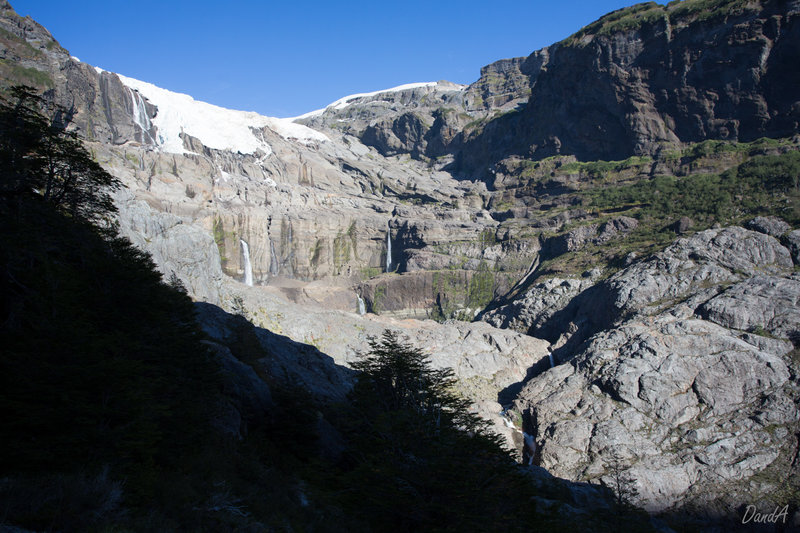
(766, 304)
(792, 241)
(770, 225)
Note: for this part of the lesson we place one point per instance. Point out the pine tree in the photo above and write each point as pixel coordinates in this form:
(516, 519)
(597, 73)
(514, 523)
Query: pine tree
(421, 461)
(397, 377)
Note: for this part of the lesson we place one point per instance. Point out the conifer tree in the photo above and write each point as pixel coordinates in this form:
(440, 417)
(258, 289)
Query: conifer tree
(420, 459)
(41, 157)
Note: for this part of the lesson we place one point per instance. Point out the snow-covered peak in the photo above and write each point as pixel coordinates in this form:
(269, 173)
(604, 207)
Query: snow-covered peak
(341, 103)
(216, 127)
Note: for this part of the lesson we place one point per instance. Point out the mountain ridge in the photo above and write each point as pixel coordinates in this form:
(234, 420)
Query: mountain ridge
(434, 202)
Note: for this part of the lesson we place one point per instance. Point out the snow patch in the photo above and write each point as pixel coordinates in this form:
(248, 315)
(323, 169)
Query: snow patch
(296, 132)
(341, 103)
(216, 127)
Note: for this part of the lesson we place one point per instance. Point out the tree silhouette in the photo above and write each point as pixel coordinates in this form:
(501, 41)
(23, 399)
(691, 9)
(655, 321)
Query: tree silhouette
(421, 461)
(41, 158)
(622, 484)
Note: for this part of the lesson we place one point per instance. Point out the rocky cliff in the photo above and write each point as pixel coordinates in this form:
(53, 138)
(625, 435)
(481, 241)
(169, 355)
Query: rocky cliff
(652, 331)
(640, 80)
(650, 77)
(679, 364)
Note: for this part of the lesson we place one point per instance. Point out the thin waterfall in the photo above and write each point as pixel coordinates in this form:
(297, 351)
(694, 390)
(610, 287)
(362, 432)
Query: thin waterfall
(362, 308)
(530, 446)
(248, 268)
(388, 248)
(140, 117)
(552, 361)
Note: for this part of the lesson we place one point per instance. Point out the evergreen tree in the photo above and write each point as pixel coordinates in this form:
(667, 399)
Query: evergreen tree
(420, 460)
(40, 157)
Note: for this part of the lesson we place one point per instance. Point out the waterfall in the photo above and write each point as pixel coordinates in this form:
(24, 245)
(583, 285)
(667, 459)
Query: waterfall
(388, 248)
(530, 446)
(248, 268)
(274, 265)
(140, 117)
(552, 361)
(362, 308)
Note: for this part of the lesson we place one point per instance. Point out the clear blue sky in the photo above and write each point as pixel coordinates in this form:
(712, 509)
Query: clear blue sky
(289, 57)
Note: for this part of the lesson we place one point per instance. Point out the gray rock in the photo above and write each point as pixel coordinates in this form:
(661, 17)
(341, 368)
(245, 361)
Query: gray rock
(581, 236)
(669, 390)
(538, 305)
(604, 68)
(765, 303)
(792, 241)
(708, 258)
(614, 227)
(682, 225)
(770, 225)
(178, 248)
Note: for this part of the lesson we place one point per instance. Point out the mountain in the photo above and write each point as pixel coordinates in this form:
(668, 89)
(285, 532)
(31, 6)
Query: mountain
(585, 256)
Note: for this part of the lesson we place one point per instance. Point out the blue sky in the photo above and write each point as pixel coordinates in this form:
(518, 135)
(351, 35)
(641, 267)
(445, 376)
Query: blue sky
(286, 58)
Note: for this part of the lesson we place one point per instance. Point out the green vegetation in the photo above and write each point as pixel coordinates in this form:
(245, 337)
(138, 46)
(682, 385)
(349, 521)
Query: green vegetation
(678, 11)
(605, 169)
(451, 291)
(377, 299)
(629, 18)
(219, 239)
(711, 182)
(315, 253)
(766, 184)
(481, 287)
(11, 70)
(132, 158)
(343, 243)
(370, 272)
(699, 10)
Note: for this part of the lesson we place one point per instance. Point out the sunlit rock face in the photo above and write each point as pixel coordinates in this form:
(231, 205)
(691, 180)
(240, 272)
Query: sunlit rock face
(660, 365)
(405, 204)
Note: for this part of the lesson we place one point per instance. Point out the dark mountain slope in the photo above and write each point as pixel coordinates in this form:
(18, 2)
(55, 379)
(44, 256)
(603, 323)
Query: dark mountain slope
(649, 77)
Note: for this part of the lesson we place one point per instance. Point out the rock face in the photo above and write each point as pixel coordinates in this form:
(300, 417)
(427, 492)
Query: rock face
(769, 225)
(679, 364)
(763, 303)
(651, 76)
(689, 405)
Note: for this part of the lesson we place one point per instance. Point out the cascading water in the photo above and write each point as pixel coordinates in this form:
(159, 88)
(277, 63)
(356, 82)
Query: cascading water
(388, 248)
(552, 361)
(362, 308)
(140, 117)
(248, 268)
(530, 446)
